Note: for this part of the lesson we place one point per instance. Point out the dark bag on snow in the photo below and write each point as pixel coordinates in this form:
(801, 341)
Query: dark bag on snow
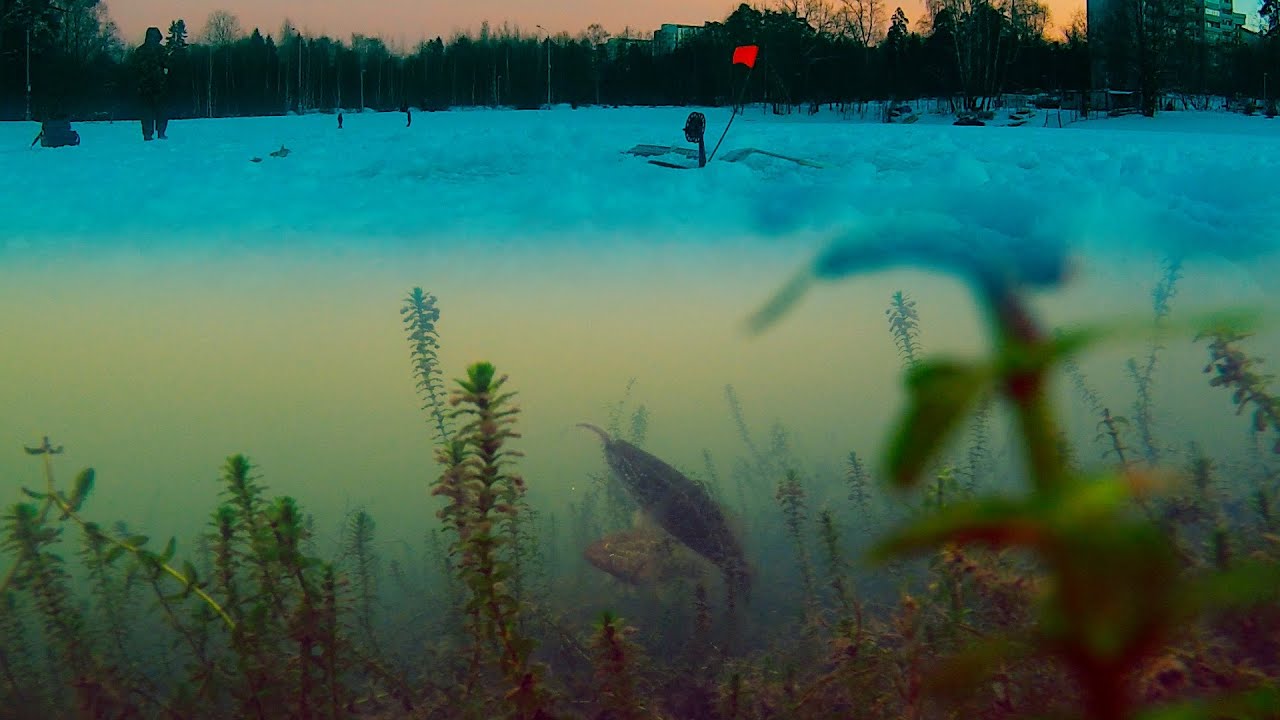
(58, 133)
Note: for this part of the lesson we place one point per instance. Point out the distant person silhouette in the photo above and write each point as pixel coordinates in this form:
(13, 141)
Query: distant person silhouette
(152, 70)
(339, 121)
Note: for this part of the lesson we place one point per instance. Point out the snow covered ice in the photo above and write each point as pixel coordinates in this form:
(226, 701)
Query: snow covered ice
(1182, 182)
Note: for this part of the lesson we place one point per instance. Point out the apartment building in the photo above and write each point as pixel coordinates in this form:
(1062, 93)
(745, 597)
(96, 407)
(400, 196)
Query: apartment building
(1221, 21)
(671, 36)
(1113, 48)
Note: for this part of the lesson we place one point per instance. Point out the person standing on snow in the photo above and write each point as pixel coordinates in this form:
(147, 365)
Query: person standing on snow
(152, 71)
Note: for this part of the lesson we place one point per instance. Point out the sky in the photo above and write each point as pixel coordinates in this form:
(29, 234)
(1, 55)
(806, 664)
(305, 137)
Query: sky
(408, 21)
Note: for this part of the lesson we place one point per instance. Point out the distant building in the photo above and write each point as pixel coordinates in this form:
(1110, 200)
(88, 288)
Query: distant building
(618, 46)
(671, 36)
(1221, 22)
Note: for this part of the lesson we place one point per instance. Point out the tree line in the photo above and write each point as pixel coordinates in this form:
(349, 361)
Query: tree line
(65, 58)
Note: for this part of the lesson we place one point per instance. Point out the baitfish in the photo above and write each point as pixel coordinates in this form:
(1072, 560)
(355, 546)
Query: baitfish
(643, 556)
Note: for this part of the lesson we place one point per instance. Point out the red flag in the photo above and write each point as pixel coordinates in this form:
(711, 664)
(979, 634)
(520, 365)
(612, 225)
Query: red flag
(746, 54)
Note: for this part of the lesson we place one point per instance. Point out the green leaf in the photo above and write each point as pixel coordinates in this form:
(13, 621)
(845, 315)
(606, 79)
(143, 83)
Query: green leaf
(83, 486)
(942, 392)
(136, 541)
(170, 549)
(113, 553)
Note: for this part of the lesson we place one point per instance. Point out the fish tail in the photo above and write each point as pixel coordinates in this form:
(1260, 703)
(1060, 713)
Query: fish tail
(596, 429)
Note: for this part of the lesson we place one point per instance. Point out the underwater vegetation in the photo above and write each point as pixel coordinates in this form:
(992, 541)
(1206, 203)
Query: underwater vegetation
(1115, 578)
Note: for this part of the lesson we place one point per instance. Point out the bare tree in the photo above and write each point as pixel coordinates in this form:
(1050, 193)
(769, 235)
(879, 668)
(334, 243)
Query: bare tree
(220, 31)
(596, 35)
(864, 20)
(820, 14)
(1158, 25)
(959, 18)
(85, 30)
(1077, 31)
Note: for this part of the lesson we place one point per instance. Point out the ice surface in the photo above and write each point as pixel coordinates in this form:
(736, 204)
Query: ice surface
(1183, 182)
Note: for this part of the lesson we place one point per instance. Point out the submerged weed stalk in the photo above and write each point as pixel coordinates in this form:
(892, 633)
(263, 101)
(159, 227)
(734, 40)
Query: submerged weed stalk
(615, 676)
(859, 482)
(1144, 376)
(359, 541)
(904, 323)
(46, 451)
(837, 566)
(1109, 430)
(420, 318)
(1233, 369)
(763, 466)
(484, 498)
(791, 498)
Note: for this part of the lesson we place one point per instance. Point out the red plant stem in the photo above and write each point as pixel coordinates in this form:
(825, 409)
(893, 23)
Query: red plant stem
(1019, 336)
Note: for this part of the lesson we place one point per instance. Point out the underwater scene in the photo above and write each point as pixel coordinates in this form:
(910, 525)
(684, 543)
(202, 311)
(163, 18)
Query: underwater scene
(506, 424)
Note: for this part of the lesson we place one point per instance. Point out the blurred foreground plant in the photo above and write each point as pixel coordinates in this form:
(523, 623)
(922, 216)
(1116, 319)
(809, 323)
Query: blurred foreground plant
(1116, 593)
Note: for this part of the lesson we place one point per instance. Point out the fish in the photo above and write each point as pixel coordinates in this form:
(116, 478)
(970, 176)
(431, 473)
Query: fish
(677, 504)
(643, 556)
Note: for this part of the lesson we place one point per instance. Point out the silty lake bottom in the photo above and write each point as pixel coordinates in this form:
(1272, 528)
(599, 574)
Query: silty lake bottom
(236, 351)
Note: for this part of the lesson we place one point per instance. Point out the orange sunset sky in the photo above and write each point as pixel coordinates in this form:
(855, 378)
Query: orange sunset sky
(408, 21)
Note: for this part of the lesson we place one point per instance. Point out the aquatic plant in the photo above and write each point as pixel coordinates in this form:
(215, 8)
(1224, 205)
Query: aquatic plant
(790, 497)
(1116, 595)
(639, 426)
(904, 324)
(1109, 429)
(943, 490)
(614, 423)
(978, 456)
(1232, 368)
(484, 500)
(272, 639)
(359, 549)
(837, 566)
(614, 657)
(859, 483)
(763, 466)
(1144, 377)
(1092, 400)
(420, 317)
